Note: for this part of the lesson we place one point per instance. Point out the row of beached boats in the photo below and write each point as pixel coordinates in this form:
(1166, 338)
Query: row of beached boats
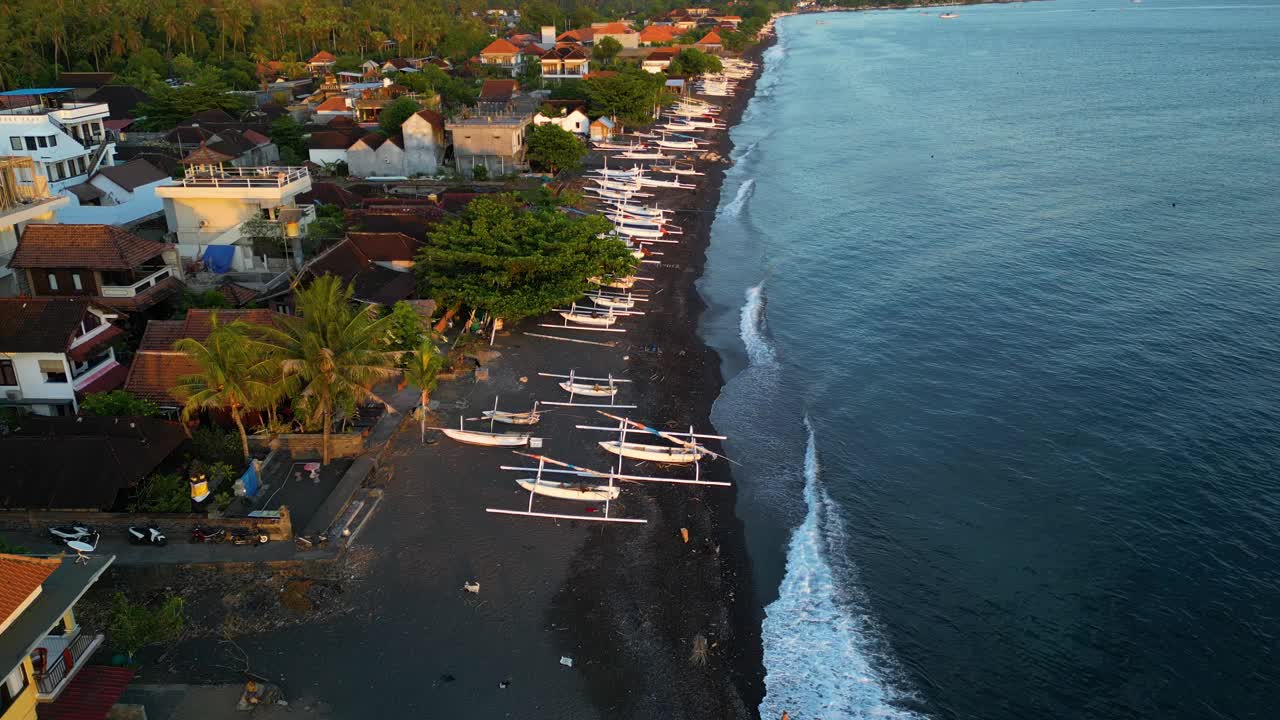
(623, 191)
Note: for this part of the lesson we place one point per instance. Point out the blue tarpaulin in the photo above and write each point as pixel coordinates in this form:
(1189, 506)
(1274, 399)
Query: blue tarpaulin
(217, 258)
(249, 480)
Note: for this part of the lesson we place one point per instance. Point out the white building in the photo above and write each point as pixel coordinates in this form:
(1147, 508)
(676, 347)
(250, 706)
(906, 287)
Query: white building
(24, 198)
(117, 195)
(53, 348)
(417, 150)
(65, 138)
(575, 122)
(209, 206)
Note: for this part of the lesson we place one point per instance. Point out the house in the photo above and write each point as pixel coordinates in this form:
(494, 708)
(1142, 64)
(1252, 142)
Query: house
(659, 34)
(157, 367)
(55, 349)
(378, 282)
(64, 137)
(574, 121)
(581, 36)
(321, 63)
(619, 31)
(370, 70)
(728, 21)
(332, 107)
(564, 62)
(371, 101)
(122, 100)
(659, 60)
(424, 143)
(710, 42)
(330, 146)
(363, 159)
(45, 646)
(412, 217)
(118, 195)
(502, 53)
(496, 96)
(208, 206)
(24, 198)
(603, 128)
(395, 65)
(493, 135)
(109, 264)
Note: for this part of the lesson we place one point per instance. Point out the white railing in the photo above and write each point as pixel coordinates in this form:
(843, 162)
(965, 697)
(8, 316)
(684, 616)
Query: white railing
(245, 177)
(128, 291)
(82, 339)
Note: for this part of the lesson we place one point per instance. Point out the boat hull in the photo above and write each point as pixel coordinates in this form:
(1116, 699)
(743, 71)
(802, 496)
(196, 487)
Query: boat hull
(653, 453)
(591, 390)
(589, 319)
(570, 491)
(511, 418)
(472, 437)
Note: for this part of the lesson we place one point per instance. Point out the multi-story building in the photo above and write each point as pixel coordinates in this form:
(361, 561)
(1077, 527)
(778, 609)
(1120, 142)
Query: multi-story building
(564, 62)
(208, 207)
(55, 350)
(24, 198)
(64, 137)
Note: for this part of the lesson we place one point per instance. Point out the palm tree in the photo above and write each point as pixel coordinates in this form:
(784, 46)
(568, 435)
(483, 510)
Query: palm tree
(424, 365)
(331, 356)
(234, 374)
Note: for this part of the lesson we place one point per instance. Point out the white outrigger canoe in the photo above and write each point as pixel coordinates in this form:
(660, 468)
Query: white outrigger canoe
(613, 303)
(570, 490)
(476, 437)
(654, 453)
(592, 390)
(625, 283)
(596, 318)
(528, 417)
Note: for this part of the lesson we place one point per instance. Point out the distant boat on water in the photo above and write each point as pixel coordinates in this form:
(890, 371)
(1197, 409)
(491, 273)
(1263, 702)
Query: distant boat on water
(948, 16)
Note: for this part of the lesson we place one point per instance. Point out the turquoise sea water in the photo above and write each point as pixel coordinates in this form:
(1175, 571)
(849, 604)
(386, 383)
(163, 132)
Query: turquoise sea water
(997, 297)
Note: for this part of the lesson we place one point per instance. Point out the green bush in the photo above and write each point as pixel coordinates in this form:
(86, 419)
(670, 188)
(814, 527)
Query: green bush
(165, 493)
(134, 626)
(118, 403)
(212, 445)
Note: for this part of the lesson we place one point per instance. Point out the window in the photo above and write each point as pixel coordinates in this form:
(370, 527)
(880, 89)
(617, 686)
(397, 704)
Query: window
(31, 143)
(53, 141)
(75, 280)
(7, 374)
(13, 685)
(42, 141)
(54, 371)
(53, 281)
(15, 143)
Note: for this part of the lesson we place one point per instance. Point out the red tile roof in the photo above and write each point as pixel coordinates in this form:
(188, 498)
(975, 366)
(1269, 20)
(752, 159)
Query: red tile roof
(659, 34)
(498, 89)
(157, 366)
(384, 246)
(581, 35)
(500, 47)
(237, 294)
(433, 117)
(45, 324)
(96, 247)
(324, 56)
(711, 38)
(613, 28)
(107, 381)
(371, 141)
(256, 137)
(19, 577)
(337, 103)
(90, 695)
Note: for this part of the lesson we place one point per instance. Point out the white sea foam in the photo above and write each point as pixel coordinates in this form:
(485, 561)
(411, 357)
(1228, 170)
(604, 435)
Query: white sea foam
(744, 193)
(740, 157)
(752, 327)
(822, 653)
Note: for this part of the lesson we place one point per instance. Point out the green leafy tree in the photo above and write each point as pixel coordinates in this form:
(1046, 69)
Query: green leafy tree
(569, 90)
(555, 148)
(692, 61)
(630, 96)
(170, 106)
(395, 113)
(134, 626)
(348, 63)
(165, 493)
(234, 376)
(407, 328)
(421, 371)
(286, 133)
(513, 263)
(605, 50)
(332, 355)
(581, 17)
(118, 403)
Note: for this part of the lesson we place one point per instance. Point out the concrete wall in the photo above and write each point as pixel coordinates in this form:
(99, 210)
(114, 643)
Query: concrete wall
(31, 381)
(308, 445)
(423, 146)
(176, 526)
(363, 162)
(185, 215)
(320, 157)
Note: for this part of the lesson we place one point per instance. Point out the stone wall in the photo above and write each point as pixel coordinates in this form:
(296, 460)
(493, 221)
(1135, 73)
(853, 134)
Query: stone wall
(177, 526)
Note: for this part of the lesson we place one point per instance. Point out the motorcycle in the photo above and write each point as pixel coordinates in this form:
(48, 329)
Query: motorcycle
(207, 535)
(146, 535)
(245, 537)
(67, 533)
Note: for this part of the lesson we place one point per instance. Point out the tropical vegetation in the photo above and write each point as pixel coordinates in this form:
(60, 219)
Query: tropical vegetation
(554, 148)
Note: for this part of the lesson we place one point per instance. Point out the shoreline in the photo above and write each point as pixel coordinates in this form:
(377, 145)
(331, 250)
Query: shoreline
(703, 587)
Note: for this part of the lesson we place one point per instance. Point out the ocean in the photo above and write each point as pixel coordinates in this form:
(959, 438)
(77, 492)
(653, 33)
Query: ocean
(996, 302)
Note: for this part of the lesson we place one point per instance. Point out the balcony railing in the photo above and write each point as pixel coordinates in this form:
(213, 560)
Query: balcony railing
(63, 657)
(245, 177)
(128, 291)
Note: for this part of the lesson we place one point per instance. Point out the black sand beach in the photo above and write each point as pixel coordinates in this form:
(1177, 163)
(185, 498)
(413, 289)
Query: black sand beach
(622, 602)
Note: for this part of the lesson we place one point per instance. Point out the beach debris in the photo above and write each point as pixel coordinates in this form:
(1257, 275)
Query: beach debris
(700, 651)
(566, 661)
(684, 534)
(524, 378)
(447, 678)
(505, 684)
(471, 587)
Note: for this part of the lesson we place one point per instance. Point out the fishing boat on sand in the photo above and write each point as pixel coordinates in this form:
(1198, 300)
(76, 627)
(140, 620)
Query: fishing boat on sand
(589, 389)
(488, 439)
(654, 453)
(570, 490)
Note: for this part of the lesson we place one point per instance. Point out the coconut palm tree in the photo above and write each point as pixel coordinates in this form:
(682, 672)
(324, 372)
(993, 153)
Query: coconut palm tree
(234, 375)
(331, 357)
(424, 365)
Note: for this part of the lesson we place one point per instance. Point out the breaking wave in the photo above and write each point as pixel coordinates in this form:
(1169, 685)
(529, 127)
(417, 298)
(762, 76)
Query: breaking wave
(820, 643)
(739, 200)
(752, 327)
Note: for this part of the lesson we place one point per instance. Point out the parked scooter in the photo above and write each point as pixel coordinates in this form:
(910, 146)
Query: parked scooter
(66, 533)
(207, 535)
(245, 537)
(147, 535)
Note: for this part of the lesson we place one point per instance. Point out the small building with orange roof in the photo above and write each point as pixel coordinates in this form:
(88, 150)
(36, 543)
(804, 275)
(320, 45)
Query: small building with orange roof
(502, 53)
(659, 34)
(620, 31)
(710, 42)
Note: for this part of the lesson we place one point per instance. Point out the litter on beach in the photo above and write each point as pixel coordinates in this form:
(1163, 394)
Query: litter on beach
(566, 661)
(471, 587)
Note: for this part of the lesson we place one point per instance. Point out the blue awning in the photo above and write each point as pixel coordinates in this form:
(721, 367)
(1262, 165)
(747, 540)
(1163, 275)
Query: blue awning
(33, 92)
(217, 258)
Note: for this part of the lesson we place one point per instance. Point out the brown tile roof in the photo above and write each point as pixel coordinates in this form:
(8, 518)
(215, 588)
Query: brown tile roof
(433, 117)
(86, 193)
(328, 193)
(97, 247)
(498, 89)
(659, 34)
(338, 122)
(20, 577)
(500, 47)
(337, 103)
(371, 141)
(580, 35)
(384, 246)
(711, 38)
(133, 174)
(188, 135)
(324, 56)
(162, 334)
(330, 140)
(40, 324)
(373, 283)
(256, 137)
(613, 28)
(237, 294)
(205, 155)
(663, 53)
